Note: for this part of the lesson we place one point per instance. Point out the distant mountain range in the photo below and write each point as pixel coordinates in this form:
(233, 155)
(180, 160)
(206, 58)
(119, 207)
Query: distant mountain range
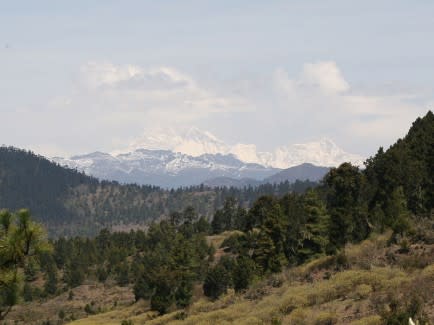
(165, 168)
(195, 142)
(169, 159)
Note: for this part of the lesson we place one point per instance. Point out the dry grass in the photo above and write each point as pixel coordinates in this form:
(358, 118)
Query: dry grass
(217, 240)
(102, 297)
(343, 299)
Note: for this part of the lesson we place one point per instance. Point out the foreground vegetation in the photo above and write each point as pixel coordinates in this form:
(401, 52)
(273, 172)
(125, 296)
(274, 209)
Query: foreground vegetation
(362, 288)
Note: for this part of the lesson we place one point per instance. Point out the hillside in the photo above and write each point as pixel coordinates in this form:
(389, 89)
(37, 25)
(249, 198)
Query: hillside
(303, 172)
(356, 290)
(70, 203)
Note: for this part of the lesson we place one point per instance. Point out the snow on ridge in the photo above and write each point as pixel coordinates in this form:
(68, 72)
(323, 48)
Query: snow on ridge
(195, 142)
(170, 152)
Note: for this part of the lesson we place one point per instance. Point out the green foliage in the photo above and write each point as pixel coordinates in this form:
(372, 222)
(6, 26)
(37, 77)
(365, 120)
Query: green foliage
(163, 297)
(407, 164)
(89, 309)
(345, 187)
(231, 216)
(27, 292)
(184, 293)
(62, 314)
(143, 288)
(122, 277)
(73, 274)
(21, 243)
(101, 273)
(216, 282)
(31, 268)
(50, 286)
(243, 273)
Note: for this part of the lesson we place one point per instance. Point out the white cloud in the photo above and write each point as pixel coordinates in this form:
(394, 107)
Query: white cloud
(319, 100)
(111, 104)
(158, 93)
(325, 75)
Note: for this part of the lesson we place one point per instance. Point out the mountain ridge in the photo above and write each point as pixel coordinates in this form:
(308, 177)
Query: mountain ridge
(164, 168)
(303, 172)
(196, 142)
(171, 159)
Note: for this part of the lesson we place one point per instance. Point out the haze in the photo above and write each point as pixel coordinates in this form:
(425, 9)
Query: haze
(83, 76)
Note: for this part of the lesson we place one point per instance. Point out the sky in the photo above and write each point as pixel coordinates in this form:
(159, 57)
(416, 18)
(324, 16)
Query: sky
(82, 76)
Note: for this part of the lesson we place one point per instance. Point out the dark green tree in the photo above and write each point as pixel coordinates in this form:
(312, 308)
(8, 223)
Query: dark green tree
(216, 282)
(163, 296)
(50, 286)
(243, 273)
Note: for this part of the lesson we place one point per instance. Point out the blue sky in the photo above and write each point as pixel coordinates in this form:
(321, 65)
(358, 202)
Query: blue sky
(81, 76)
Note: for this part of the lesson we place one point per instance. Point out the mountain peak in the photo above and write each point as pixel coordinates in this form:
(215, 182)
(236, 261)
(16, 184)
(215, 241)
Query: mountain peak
(196, 142)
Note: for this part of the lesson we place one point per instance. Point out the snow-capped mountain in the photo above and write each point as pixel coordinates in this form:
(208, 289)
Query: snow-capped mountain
(164, 168)
(193, 142)
(321, 153)
(196, 142)
(171, 159)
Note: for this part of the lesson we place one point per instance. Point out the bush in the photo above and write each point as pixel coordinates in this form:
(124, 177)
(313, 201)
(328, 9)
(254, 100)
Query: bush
(89, 310)
(61, 314)
(326, 319)
(362, 291)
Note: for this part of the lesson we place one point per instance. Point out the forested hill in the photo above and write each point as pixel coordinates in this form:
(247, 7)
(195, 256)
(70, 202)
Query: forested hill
(408, 164)
(71, 203)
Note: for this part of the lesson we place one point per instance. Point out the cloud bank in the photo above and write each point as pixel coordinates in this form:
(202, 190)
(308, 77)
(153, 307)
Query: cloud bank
(109, 105)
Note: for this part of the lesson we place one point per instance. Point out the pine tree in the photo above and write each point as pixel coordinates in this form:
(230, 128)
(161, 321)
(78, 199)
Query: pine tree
(20, 239)
(243, 273)
(216, 282)
(50, 286)
(163, 297)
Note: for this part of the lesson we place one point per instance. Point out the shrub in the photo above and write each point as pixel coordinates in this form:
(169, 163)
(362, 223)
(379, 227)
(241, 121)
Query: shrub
(326, 319)
(362, 291)
(89, 310)
(61, 314)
